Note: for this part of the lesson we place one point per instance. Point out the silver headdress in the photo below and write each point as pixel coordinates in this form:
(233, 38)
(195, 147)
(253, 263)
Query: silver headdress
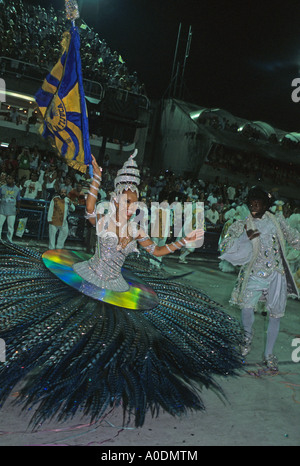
(128, 177)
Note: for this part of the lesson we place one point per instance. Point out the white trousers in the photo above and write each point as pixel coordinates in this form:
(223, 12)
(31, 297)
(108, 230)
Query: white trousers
(62, 231)
(10, 225)
(273, 288)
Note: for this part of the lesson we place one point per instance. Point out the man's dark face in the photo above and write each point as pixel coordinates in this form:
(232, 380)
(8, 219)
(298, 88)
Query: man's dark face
(257, 208)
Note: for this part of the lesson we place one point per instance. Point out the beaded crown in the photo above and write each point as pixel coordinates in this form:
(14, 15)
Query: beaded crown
(128, 177)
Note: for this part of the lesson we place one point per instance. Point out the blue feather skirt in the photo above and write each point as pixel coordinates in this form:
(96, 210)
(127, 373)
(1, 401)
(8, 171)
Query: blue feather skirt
(68, 353)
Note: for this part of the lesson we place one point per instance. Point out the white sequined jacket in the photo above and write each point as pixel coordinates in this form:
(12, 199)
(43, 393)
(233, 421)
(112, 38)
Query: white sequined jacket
(237, 249)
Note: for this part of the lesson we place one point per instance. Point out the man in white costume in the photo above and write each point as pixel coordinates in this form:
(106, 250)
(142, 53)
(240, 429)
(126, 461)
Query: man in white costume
(230, 217)
(257, 244)
(292, 255)
(212, 215)
(160, 224)
(9, 206)
(193, 218)
(58, 211)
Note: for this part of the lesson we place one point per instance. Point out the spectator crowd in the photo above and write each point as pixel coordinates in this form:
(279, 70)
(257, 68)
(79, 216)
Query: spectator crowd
(41, 174)
(252, 165)
(32, 34)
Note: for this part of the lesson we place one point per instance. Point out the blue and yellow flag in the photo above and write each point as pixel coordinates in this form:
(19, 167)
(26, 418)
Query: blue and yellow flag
(62, 104)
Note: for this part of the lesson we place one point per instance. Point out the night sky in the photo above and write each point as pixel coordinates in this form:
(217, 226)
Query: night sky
(243, 58)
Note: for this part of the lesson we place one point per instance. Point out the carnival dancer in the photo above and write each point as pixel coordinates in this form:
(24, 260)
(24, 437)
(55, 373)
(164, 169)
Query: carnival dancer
(257, 244)
(123, 206)
(292, 255)
(59, 208)
(194, 217)
(9, 206)
(160, 224)
(84, 333)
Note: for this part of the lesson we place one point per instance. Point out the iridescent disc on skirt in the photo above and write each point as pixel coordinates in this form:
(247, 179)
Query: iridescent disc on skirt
(139, 296)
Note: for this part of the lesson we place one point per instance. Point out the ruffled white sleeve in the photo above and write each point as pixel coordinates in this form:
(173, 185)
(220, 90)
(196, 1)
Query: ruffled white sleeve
(237, 249)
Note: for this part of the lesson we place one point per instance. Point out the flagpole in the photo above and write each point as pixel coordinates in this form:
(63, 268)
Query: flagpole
(72, 13)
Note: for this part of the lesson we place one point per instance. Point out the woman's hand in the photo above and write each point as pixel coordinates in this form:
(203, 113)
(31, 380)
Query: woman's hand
(96, 169)
(195, 236)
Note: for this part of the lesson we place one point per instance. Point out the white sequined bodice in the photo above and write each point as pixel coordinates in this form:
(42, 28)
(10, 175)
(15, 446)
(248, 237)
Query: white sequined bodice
(104, 268)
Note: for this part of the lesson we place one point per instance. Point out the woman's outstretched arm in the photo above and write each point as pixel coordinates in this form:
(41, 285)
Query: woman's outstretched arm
(146, 242)
(93, 192)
